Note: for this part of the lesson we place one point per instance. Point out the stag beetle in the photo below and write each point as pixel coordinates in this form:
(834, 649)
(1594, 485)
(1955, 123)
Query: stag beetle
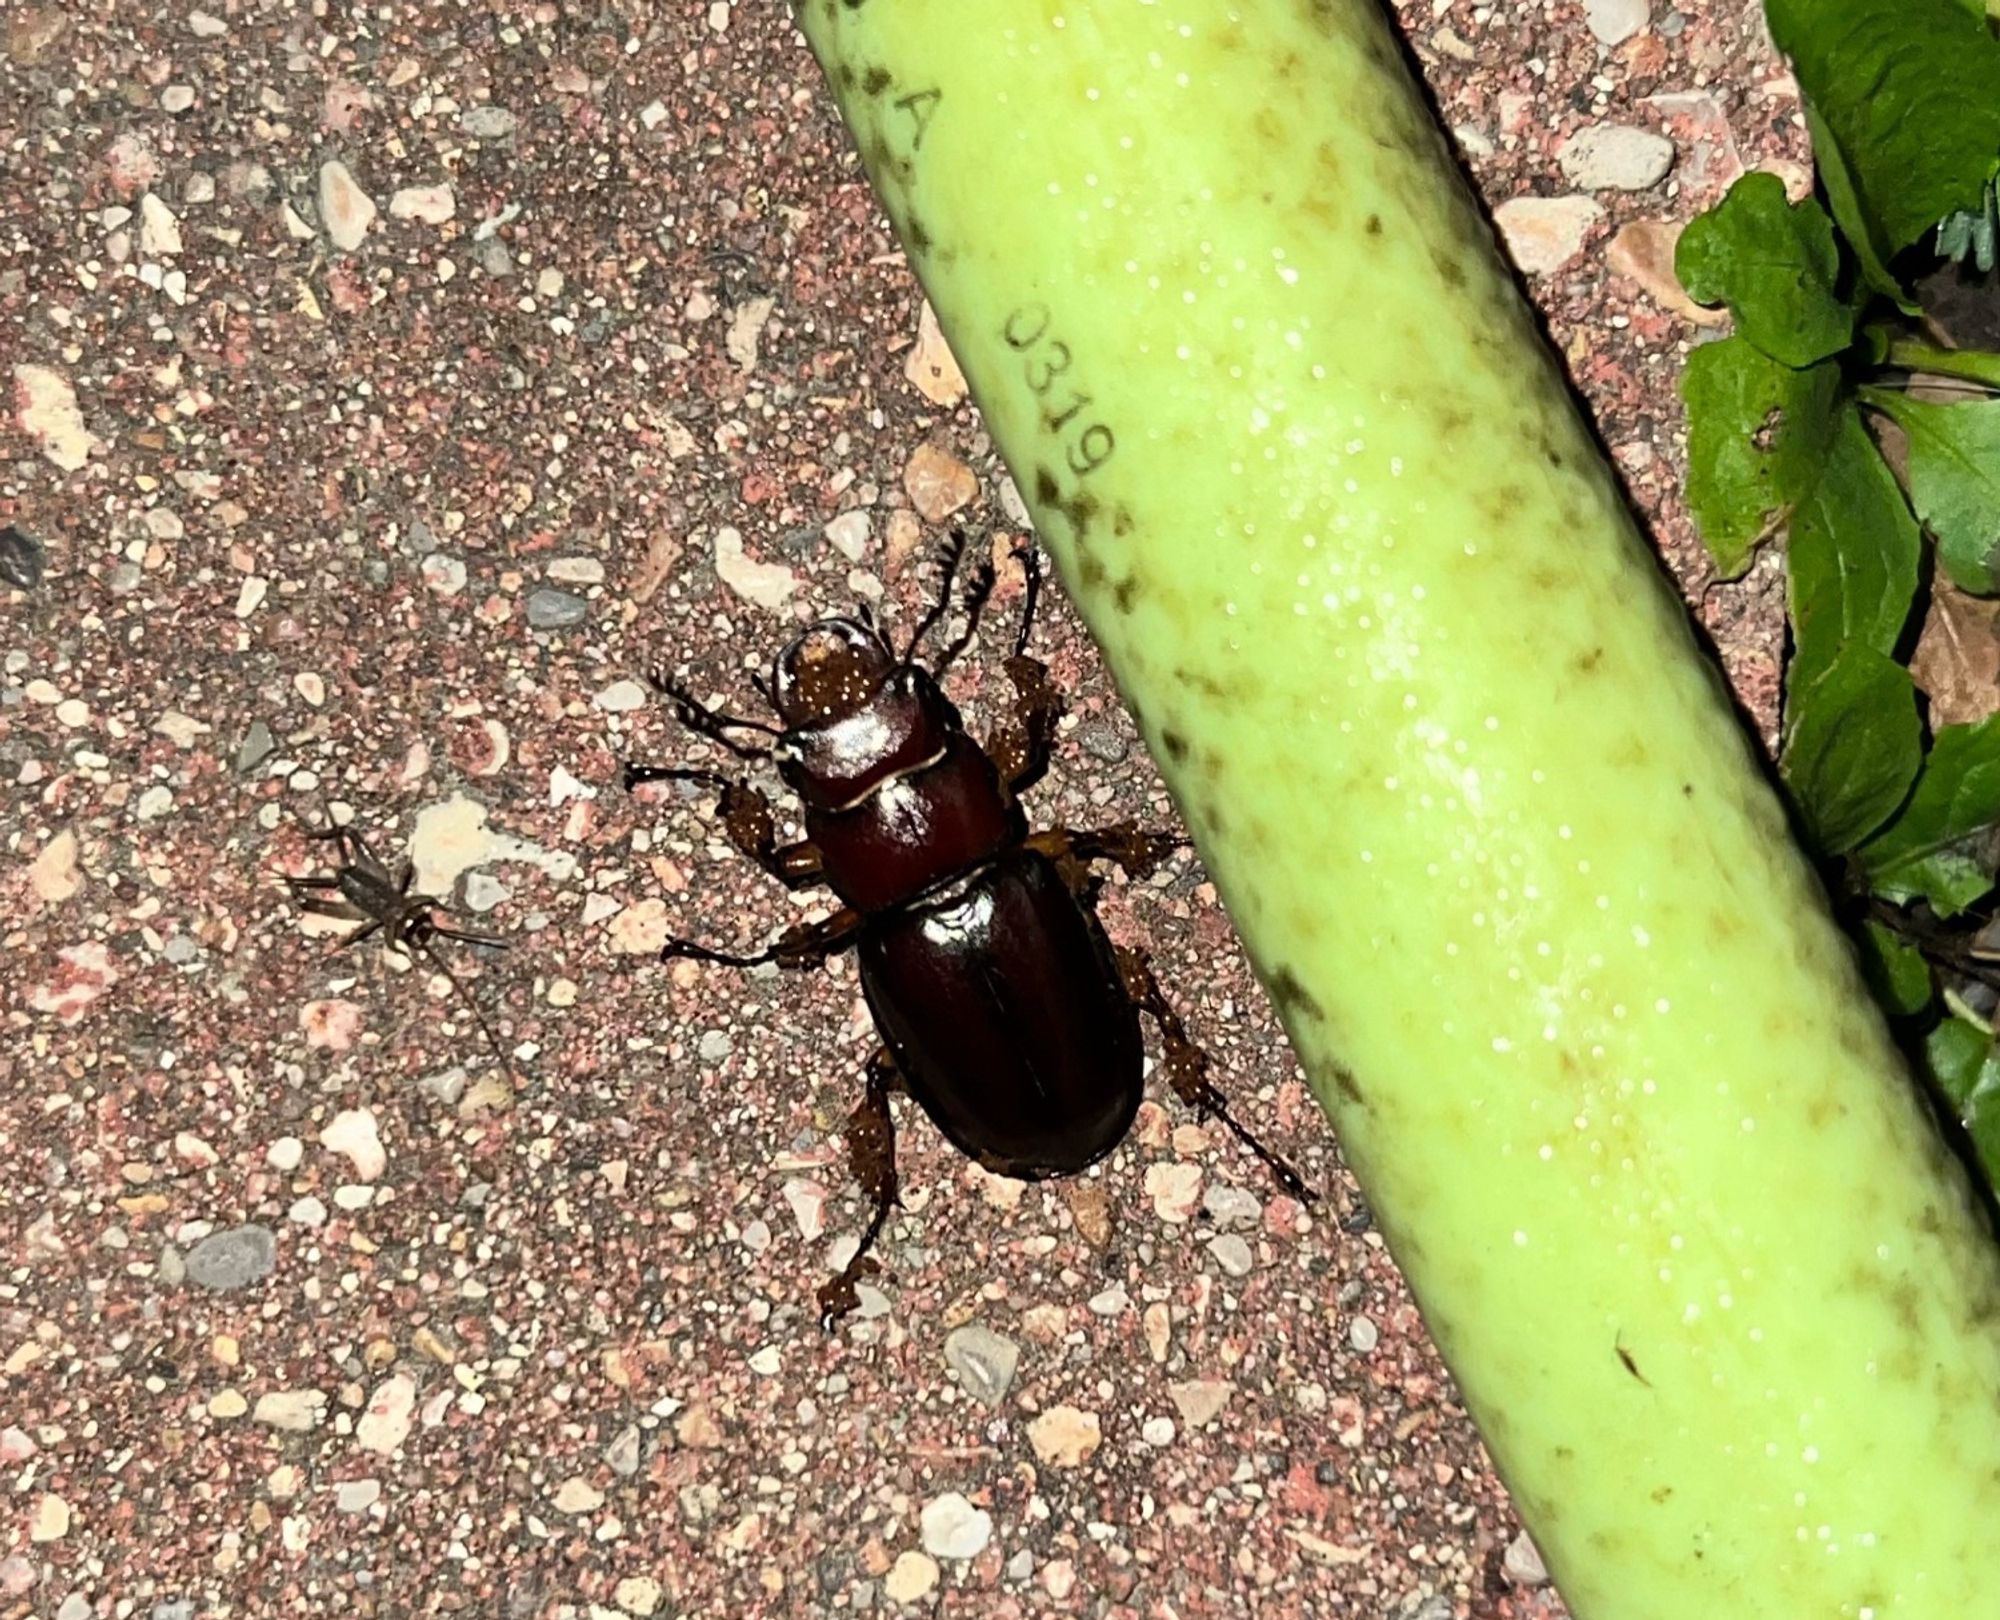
(1003, 1008)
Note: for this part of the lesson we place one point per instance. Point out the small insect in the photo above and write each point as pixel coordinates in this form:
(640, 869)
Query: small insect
(364, 890)
(1002, 1007)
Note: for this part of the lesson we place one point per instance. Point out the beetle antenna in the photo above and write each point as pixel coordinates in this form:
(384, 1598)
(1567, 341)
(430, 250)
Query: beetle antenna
(763, 684)
(975, 604)
(1030, 560)
(705, 722)
(954, 552)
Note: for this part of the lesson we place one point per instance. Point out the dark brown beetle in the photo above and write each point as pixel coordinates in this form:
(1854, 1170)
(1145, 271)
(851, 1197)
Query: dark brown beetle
(1003, 1008)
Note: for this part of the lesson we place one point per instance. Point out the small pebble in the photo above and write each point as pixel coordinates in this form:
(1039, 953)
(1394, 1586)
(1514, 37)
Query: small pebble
(953, 1528)
(577, 1495)
(357, 1495)
(1615, 21)
(74, 1607)
(159, 231)
(353, 1134)
(1157, 1431)
(431, 205)
(622, 1455)
(1065, 1437)
(638, 1595)
(344, 208)
(621, 697)
(21, 559)
(1232, 1207)
(257, 746)
(296, 1410)
(391, 1411)
(1616, 157)
(443, 574)
(1199, 1400)
(984, 1361)
(550, 609)
(1543, 234)
(1522, 1562)
(577, 571)
(1232, 1254)
(714, 1046)
(484, 892)
(50, 1519)
(848, 535)
(912, 1578)
(1363, 1334)
(225, 1261)
(1021, 1566)
(487, 123)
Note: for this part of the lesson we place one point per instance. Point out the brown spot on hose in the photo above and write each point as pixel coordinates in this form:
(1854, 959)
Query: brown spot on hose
(1175, 744)
(876, 80)
(1125, 594)
(1293, 997)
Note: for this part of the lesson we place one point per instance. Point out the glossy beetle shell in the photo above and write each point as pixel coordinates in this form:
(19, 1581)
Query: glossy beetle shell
(1001, 1002)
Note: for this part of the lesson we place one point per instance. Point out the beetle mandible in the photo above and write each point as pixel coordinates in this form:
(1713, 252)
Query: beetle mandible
(1003, 1007)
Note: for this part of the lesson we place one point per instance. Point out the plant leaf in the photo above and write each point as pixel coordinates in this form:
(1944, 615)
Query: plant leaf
(1860, 233)
(1954, 480)
(1852, 556)
(1938, 848)
(1853, 746)
(1757, 432)
(1896, 972)
(1776, 266)
(1963, 1062)
(1909, 93)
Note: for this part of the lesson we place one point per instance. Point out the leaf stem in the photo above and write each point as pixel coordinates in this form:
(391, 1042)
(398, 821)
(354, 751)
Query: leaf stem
(1973, 365)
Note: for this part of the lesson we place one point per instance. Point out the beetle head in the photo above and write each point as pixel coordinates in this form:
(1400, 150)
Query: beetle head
(830, 672)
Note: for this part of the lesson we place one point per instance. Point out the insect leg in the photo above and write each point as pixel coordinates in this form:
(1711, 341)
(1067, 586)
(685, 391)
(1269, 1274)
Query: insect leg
(806, 946)
(418, 937)
(871, 1150)
(975, 604)
(746, 817)
(954, 552)
(1186, 1067)
(1122, 843)
(704, 722)
(1022, 744)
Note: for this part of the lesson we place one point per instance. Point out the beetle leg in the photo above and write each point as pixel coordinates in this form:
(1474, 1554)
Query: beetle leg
(1020, 748)
(806, 946)
(1122, 843)
(871, 1151)
(1186, 1067)
(746, 817)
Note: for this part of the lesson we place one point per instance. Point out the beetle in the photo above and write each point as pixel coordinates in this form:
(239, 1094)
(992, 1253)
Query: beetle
(1003, 1008)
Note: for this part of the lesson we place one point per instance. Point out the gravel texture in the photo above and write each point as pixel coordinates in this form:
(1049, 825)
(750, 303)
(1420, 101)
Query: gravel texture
(389, 390)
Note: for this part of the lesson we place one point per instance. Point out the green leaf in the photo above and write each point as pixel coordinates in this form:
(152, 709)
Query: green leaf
(1862, 237)
(1956, 1051)
(1963, 1062)
(1908, 92)
(1757, 432)
(1896, 972)
(1939, 847)
(1853, 745)
(1954, 480)
(1777, 267)
(1852, 556)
